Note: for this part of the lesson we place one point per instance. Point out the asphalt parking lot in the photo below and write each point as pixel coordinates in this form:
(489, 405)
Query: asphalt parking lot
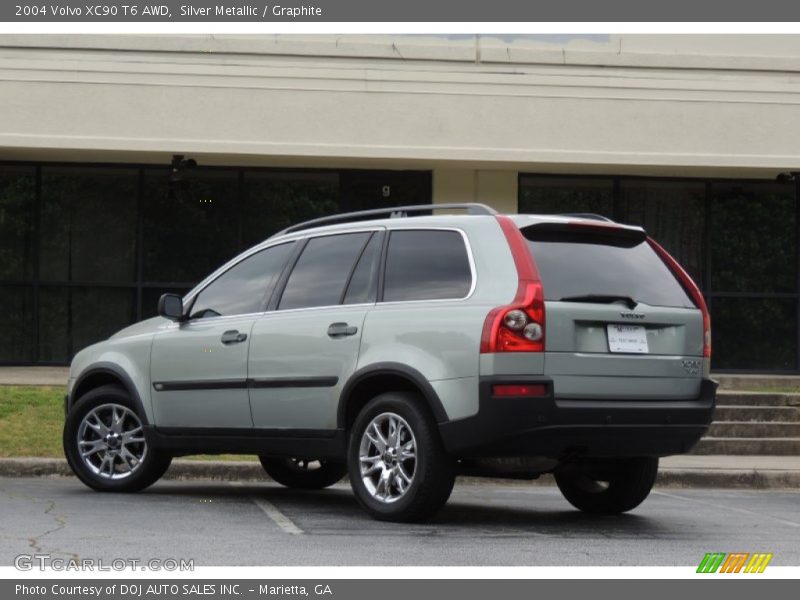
(219, 523)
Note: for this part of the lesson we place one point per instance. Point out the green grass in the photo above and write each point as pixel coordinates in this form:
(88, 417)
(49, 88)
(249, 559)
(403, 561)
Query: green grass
(31, 420)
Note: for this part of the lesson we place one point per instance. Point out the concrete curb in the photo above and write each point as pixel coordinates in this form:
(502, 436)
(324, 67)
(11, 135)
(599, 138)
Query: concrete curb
(190, 470)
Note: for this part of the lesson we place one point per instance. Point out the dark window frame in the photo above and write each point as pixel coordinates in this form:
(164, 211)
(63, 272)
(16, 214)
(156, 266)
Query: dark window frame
(709, 294)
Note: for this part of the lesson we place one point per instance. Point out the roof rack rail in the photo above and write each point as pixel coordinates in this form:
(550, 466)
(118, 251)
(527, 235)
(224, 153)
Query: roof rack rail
(392, 212)
(592, 216)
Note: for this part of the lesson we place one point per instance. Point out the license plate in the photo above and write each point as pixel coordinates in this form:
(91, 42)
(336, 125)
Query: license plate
(630, 339)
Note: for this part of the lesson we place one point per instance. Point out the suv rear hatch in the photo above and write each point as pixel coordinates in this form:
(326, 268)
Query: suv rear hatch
(619, 323)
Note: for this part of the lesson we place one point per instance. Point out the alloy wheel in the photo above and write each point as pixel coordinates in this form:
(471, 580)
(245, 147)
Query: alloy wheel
(388, 457)
(111, 441)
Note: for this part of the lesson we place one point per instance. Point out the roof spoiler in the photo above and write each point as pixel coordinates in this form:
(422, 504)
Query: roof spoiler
(586, 232)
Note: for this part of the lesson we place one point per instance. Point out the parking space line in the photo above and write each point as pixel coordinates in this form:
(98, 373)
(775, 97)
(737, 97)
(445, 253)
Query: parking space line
(280, 519)
(272, 511)
(728, 508)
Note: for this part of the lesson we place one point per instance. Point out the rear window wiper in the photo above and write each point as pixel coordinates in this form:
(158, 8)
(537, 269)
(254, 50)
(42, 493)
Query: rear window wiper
(601, 299)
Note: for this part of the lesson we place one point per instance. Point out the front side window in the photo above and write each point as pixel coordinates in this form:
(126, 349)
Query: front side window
(322, 271)
(243, 288)
(426, 265)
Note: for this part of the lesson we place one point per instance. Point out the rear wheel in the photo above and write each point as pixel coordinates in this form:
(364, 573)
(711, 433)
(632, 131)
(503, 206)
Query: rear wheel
(398, 467)
(607, 487)
(105, 444)
(302, 473)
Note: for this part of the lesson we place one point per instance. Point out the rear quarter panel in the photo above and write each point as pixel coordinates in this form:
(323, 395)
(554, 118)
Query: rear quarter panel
(441, 338)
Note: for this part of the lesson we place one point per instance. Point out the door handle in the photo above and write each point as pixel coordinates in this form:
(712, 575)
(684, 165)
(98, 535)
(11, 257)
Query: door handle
(233, 337)
(337, 330)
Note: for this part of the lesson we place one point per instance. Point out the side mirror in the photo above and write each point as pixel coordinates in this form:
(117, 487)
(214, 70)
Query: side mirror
(170, 306)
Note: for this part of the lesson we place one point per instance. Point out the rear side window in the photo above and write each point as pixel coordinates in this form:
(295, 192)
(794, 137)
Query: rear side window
(426, 265)
(322, 271)
(579, 265)
(244, 287)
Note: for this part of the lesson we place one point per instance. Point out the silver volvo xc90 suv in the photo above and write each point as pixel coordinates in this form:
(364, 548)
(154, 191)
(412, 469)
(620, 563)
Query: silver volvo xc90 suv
(402, 348)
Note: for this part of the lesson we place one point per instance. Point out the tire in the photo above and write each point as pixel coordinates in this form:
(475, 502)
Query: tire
(417, 487)
(607, 487)
(113, 465)
(303, 474)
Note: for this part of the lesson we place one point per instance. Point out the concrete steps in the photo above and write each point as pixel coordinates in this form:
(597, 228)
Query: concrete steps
(753, 424)
(757, 398)
(756, 382)
(761, 429)
(784, 414)
(749, 446)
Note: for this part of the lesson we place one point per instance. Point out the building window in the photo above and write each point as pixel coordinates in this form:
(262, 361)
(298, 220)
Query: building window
(553, 195)
(17, 333)
(88, 225)
(738, 240)
(17, 212)
(673, 212)
(191, 227)
(275, 200)
(86, 250)
(754, 238)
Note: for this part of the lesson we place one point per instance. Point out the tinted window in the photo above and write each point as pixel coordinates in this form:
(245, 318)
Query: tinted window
(274, 200)
(673, 212)
(16, 326)
(71, 318)
(364, 282)
(426, 265)
(738, 319)
(585, 265)
(558, 195)
(754, 242)
(189, 227)
(17, 202)
(319, 277)
(243, 287)
(87, 223)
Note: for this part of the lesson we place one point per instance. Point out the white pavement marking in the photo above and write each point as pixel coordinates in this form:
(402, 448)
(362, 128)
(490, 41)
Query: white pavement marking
(280, 519)
(728, 507)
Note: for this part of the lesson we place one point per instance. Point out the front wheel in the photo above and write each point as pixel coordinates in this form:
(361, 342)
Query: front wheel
(105, 444)
(399, 470)
(607, 487)
(302, 473)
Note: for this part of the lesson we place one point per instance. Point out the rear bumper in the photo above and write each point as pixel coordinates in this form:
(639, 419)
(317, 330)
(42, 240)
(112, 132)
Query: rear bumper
(562, 428)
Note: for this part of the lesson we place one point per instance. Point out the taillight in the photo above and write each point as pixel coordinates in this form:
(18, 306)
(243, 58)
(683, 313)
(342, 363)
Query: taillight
(519, 326)
(691, 287)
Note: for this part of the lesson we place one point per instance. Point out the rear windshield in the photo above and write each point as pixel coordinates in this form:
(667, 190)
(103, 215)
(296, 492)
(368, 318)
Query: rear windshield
(582, 265)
